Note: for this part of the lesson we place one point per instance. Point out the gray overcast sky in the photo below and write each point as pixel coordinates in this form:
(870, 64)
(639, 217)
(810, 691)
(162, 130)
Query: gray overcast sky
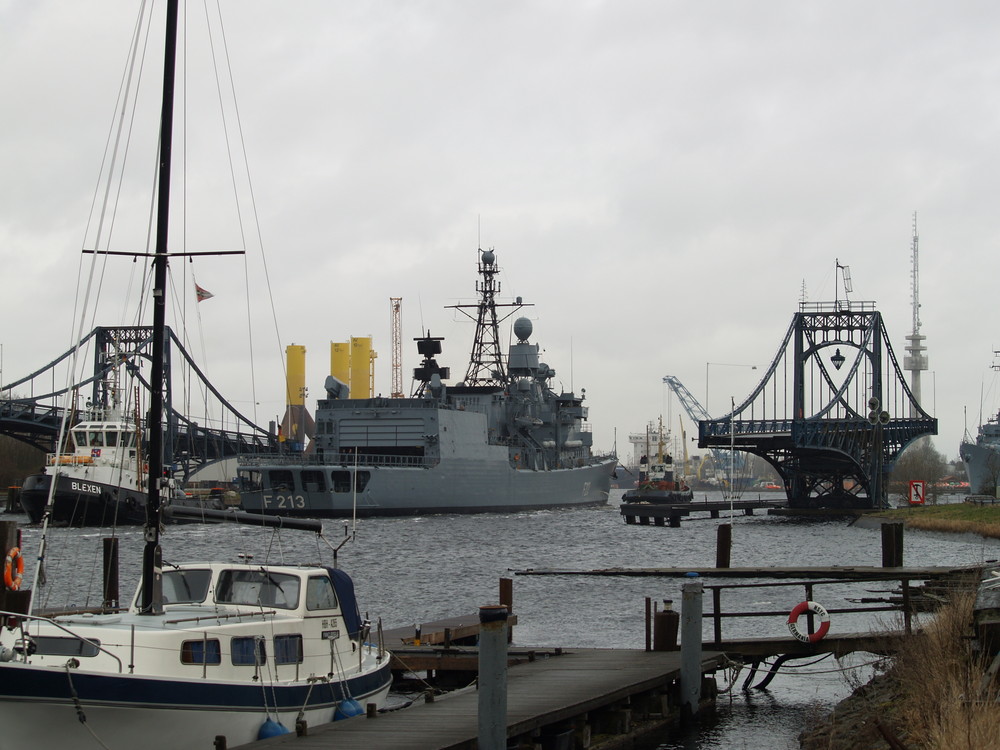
(661, 179)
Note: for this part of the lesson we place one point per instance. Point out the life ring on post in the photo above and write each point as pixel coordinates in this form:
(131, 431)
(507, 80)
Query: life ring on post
(13, 569)
(816, 609)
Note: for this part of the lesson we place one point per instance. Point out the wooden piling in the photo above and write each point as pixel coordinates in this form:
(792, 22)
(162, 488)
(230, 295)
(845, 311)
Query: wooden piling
(111, 599)
(892, 544)
(723, 545)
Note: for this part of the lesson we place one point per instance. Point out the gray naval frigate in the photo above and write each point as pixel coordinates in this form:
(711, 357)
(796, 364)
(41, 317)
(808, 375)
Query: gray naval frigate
(500, 440)
(982, 458)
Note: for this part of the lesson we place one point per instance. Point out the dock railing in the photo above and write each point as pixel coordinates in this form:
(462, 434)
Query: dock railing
(905, 604)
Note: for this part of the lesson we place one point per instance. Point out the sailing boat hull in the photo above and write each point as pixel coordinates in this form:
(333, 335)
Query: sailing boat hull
(57, 707)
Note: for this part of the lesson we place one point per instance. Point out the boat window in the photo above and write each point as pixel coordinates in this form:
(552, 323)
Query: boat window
(313, 480)
(281, 479)
(111, 439)
(341, 481)
(288, 649)
(251, 480)
(361, 479)
(205, 651)
(185, 586)
(320, 593)
(258, 588)
(51, 645)
(248, 651)
(80, 438)
(96, 438)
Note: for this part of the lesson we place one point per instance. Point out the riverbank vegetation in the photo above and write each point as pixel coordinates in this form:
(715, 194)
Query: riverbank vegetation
(933, 696)
(962, 518)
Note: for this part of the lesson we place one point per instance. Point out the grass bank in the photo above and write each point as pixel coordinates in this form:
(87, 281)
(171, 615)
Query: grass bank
(932, 697)
(954, 517)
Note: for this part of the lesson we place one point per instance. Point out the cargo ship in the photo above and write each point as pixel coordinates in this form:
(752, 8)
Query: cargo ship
(500, 440)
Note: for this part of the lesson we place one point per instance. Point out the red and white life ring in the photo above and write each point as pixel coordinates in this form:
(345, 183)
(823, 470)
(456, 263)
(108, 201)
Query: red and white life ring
(816, 609)
(13, 569)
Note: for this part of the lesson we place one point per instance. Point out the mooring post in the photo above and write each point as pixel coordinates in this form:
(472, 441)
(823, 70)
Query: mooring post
(493, 677)
(723, 545)
(892, 544)
(110, 573)
(691, 612)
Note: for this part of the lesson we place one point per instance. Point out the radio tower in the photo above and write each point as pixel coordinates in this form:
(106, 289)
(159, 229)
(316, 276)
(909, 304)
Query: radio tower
(915, 360)
(396, 309)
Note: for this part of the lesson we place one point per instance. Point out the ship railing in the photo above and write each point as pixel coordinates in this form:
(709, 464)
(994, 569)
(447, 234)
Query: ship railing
(345, 460)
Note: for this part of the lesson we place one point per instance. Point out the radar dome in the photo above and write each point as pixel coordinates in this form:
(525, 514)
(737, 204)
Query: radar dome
(488, 257)
(522, 329)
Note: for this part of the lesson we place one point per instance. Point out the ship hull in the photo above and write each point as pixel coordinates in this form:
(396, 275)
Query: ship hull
(451, 486)
(82, 502)
(982, 465)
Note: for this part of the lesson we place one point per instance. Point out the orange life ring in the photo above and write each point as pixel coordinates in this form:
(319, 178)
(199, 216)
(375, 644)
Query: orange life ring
(816, 609)
(14, 562)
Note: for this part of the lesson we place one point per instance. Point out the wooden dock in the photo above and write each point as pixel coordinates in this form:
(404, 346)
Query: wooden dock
(846, 572)
(583, 692)
(664, 514)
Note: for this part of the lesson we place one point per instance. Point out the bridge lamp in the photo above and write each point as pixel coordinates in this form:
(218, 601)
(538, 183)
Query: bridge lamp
(838, 359)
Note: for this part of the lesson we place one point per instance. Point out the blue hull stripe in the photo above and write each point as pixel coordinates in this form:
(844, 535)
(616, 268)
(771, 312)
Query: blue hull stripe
(18, 683)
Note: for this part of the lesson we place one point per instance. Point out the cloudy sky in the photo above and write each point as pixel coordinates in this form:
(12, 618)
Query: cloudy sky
(663, 180)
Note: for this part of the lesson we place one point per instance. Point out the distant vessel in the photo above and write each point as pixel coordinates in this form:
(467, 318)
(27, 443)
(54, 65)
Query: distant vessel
(99, 483)
(657, 482)
(982, 457)
(501, 440)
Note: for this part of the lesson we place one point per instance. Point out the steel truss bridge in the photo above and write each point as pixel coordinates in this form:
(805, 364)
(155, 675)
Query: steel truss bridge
(35, 418)
(833, 411)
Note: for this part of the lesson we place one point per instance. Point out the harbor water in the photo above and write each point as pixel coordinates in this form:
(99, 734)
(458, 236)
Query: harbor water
(417, 569)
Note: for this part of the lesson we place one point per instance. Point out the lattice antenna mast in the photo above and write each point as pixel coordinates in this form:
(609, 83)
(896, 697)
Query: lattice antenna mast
(915, 360)
(487, 364)
(396, 312)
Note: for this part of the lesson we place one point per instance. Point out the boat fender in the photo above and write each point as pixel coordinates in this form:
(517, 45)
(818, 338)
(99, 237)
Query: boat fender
(347, 708)
(14, 562)
(816, 609)
(272, 728)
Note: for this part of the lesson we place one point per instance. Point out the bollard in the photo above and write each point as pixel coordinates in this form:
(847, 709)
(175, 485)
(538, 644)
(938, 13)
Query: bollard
(723, 545)
(691, 611)
(665, 626)
(493, 677)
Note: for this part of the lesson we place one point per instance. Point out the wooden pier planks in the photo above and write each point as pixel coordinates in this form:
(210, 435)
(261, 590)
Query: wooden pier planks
(539, 693)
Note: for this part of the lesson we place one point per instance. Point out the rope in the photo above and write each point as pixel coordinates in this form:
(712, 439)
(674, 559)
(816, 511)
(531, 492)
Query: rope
(79, 708)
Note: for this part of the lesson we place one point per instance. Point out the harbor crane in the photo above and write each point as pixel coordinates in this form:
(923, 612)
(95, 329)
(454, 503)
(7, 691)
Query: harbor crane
(697, 413)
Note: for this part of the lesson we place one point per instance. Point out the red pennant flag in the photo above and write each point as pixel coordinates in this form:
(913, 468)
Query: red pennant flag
(202, 294)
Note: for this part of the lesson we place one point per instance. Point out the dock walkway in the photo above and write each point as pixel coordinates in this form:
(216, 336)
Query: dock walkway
(543, 696)
(663, 514)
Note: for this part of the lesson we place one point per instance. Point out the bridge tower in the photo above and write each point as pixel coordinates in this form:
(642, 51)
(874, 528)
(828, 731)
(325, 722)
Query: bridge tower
(833, 411)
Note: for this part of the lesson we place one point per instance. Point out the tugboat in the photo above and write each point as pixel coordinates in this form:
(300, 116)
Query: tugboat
(657, 482)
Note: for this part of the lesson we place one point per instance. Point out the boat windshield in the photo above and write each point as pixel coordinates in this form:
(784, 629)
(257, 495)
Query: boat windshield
(258, 588)
(185, 586)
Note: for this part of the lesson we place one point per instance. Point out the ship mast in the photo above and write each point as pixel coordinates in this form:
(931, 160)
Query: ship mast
(487, 364)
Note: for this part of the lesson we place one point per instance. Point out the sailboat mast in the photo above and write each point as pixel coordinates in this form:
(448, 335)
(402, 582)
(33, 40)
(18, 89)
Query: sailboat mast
(152, 600)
